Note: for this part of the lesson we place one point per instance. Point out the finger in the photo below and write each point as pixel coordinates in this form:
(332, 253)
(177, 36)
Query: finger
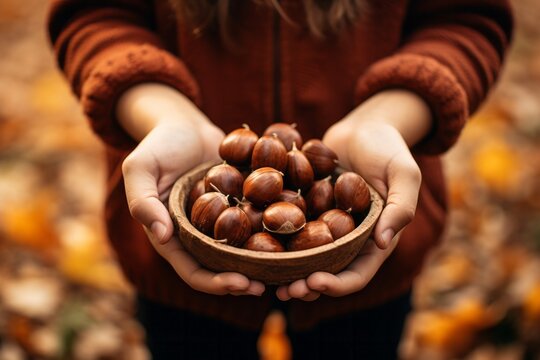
(404, 179)
(140, 181)
(209, 282)
(312, 296)
(282, 293)
(300, 290)
(200, 278)
(357, 275)
(255, 288)
(328, 284)
(345, 283)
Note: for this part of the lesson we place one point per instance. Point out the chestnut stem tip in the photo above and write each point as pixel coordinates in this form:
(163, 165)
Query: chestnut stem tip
(215, 188)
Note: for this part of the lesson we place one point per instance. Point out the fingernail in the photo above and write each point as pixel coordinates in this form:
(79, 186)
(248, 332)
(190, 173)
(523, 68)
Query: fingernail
(253, 292)
(237, 288)
(159, 230)
(387, 236)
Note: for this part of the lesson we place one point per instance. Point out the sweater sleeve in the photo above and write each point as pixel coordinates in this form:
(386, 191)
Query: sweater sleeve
(106, 46)
(450, 55)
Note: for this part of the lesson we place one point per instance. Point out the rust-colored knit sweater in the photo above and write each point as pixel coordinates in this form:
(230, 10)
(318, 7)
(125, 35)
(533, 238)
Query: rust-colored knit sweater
(448, 51)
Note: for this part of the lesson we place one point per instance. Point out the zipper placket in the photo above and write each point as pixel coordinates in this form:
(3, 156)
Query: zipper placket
(276, 67)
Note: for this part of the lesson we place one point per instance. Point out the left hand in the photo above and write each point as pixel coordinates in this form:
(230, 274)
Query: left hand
(352, 279)
(373, 142)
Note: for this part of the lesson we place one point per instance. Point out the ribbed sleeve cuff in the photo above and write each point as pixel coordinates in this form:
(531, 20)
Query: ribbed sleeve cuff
(431, 80)
(131, 65)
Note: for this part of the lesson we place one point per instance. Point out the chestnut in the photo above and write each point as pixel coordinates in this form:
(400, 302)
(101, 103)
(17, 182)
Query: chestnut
(232, 225)
(294, 197)
(254, 215)
(320, 197)
(196, 191)
(283, 218)
(339, 222)
(287, 133)
(299, 173)
(269, 151)
(206, 210)
(262, 186)
(237, 147)
(315, 233)
(263, 241)
(351, 192)
(321, 157)
(225, 179)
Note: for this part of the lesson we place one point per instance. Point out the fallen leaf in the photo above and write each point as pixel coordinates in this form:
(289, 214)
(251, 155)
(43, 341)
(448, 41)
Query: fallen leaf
(34, 297)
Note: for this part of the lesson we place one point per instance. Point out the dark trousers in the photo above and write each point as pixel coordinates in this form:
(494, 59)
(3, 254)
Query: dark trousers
(369, 334)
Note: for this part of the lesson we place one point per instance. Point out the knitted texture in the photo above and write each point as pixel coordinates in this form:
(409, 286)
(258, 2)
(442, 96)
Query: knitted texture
(129, 66)
(433, 82)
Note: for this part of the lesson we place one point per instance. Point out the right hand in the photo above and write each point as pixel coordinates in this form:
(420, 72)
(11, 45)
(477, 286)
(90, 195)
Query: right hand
(167, 151)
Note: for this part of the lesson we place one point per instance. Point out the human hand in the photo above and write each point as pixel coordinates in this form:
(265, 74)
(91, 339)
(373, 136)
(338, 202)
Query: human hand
(178, 139)
(374, 142)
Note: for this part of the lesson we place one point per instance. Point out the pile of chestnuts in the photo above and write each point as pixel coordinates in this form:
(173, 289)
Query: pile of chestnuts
(275, 193)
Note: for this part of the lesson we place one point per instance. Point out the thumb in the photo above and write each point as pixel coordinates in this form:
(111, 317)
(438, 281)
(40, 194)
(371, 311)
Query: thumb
(140, 180)
(404, 179)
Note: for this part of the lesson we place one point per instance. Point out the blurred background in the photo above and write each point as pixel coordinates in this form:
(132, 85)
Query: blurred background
(62, 295)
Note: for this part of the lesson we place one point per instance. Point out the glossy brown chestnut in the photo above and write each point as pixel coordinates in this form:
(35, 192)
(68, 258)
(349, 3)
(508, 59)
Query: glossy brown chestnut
(294, 197)
(299, 173)
(339, 222)
(269, 151)
(287, 133)
(196, 191)
(315, 233)
(254, 215)
(321, 157)
(351, 192)
(283, 218)
(225, 179)
(263, 242)
(232, 225)
(320, 197)
(206, 210)
(237, 147)
(262, 186)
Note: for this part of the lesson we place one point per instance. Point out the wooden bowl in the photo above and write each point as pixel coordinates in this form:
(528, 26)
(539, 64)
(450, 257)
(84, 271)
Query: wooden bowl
(270, 268)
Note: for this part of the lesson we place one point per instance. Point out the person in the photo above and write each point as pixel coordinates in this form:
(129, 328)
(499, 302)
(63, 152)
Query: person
(388, 85)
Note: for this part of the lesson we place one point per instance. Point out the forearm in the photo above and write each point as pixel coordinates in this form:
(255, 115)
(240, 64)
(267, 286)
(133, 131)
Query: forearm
(144, 106)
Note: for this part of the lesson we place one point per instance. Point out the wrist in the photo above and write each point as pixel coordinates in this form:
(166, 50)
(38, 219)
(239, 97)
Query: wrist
(145, 106)
(404, 110)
